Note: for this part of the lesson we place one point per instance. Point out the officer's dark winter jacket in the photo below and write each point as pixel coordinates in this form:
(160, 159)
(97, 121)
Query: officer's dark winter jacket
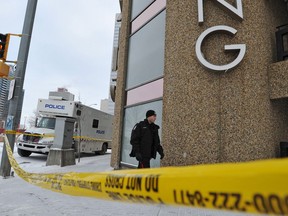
(145, 140)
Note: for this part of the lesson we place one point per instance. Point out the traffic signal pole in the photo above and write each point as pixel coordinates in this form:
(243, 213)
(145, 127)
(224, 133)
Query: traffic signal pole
(15, 104)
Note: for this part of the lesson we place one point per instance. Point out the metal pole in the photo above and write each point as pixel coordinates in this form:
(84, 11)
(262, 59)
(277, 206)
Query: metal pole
(15, 105)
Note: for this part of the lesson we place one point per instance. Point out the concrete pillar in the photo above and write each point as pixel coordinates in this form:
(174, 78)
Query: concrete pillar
(226, 116)
(62, 154)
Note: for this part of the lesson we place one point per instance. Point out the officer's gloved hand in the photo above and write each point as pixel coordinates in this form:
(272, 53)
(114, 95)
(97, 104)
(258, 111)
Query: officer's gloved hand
(162, 155)
(138, 156)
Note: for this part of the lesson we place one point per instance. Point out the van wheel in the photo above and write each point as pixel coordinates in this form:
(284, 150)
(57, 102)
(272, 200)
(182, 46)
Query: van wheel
(23, 153)
(104, 149)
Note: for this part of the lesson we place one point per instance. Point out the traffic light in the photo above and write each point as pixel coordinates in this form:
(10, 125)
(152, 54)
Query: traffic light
(4, 43)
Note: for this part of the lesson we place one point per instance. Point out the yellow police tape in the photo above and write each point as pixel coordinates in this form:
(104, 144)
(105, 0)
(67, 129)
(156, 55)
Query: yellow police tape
(254, 187)
(27, 134)
(85, 138)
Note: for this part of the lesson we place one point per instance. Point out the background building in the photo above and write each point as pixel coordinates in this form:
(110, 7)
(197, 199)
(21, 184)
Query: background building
(212, 106)
(4, 103)
(104, 105)
(113, 75)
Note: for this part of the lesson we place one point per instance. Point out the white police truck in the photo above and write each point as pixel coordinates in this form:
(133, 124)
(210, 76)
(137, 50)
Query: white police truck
(92, 128)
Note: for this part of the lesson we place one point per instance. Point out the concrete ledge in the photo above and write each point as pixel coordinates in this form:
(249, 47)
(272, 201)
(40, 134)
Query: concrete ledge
(278, 80)
(62, 157)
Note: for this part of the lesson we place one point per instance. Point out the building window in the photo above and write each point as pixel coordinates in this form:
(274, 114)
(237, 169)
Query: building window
(146, 52)
(132, 116)
(145, 69)
(148, 92)
(138, 6)
(282, 42)
(148, 14)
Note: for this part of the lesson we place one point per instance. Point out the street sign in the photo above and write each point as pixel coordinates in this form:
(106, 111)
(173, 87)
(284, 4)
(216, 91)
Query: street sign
(11, 89)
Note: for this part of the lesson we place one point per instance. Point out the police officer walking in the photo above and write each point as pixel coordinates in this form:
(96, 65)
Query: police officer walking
(145, 140)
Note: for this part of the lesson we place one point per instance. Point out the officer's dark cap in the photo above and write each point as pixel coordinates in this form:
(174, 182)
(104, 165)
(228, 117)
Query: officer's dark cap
(150, 113)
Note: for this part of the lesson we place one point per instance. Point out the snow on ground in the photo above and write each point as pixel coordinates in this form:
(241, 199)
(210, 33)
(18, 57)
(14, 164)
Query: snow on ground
(19, 198)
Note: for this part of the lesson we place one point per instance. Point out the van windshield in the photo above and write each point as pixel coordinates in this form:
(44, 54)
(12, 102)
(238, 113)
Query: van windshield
(46, 122)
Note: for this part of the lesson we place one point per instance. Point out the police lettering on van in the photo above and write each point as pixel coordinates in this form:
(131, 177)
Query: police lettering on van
(53, 106)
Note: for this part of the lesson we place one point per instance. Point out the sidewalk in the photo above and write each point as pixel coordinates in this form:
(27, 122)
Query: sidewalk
(17, 197)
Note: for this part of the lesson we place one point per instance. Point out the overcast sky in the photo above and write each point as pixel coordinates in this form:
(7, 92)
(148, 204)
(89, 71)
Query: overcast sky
(71, 47)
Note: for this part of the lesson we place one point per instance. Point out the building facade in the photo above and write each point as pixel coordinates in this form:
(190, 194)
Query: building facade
(213, 106)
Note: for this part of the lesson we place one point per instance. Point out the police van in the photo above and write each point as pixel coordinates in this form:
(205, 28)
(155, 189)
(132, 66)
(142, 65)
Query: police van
(92, 128)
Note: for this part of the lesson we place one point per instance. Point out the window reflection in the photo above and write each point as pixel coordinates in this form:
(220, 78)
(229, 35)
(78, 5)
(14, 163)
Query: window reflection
(146, 53)
(132, 116)
(146, 92)
(138, 6)
(148, 14)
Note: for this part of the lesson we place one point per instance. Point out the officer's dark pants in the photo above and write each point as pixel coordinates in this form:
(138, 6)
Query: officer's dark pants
(145, 163)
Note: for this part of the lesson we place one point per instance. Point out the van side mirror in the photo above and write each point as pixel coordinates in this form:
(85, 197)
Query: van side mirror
(36, 122)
